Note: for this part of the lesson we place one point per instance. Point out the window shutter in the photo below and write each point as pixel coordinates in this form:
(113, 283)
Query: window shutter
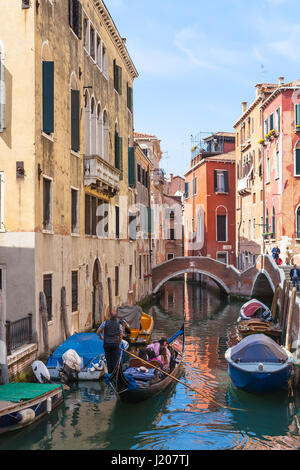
(117, 155)
(297, 162)
(215, 181)
(119, 80)
(131, 167)
(48, 97)
(75, 127)
(221, 228)
(117, 222)
(272, 122)
(226, 182)
(297, 114)
(187, 187)
(79, 19)
(71, 22)
(115, 75)
(121, 156)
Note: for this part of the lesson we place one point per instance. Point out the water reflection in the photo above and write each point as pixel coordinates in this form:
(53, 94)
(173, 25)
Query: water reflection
(178, 419)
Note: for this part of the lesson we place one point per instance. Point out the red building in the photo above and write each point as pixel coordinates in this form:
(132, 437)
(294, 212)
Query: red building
(209, 208)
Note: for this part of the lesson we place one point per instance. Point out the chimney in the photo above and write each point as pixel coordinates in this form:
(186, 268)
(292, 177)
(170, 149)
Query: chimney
(281, 81)
(171, 177)
(244, 106)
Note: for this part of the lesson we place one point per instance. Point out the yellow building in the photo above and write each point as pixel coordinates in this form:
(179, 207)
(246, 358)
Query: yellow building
(250, 188)
(66, 131)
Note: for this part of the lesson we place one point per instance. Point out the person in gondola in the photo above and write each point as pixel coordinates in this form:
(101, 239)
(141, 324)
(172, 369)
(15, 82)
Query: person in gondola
(155, 347)
(164, 357)
(111, 332)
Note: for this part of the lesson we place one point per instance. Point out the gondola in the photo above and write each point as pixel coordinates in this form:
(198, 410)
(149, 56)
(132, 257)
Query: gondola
(147, 381)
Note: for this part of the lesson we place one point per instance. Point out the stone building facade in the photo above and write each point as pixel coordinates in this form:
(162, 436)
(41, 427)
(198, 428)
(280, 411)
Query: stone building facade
(66, 132)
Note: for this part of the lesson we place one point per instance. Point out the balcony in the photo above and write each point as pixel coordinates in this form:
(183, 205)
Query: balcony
(102, 176)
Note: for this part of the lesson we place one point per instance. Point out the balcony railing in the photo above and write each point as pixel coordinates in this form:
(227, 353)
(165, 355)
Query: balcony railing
(18, 333)
(99, 173)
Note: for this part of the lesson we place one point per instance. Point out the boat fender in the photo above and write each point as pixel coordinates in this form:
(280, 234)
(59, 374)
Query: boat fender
(49, 405)
(25, 416)
(260, 367)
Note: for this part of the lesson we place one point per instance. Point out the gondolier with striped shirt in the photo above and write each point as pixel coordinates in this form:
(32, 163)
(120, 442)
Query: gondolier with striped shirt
(112, 337)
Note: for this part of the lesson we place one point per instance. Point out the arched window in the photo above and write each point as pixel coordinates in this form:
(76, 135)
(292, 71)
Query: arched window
(87, 128)
(2, 88)
(222, 224)
(93, 127)
(99, 146)
(274, 222)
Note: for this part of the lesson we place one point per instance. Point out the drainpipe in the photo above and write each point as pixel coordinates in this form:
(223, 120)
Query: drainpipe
(264, 194)
(3, 351)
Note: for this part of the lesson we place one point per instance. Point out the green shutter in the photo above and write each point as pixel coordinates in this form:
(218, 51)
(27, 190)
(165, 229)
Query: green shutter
(272, 122)
(121, 157)
(297, 114)
(75, 128)
(131, 167)
(119, 79)
(115, 75)
(48, 97)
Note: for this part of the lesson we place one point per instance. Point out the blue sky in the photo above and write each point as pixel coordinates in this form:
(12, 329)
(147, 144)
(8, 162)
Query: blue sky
(198, 60)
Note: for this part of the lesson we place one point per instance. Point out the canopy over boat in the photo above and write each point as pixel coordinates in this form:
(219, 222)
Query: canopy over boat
(258, 348)
(254, 308)
(87, 345)
(132, 314)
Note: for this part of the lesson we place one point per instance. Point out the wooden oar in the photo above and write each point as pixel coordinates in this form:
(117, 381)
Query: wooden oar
(179, 381)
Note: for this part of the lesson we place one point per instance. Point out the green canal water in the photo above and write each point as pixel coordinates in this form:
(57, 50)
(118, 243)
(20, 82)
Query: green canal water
(178, 419)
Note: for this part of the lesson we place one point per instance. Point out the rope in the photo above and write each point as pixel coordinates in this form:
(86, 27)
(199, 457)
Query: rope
(179, 381)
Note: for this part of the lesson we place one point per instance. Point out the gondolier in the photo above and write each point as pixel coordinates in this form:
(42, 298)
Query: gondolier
(112, 337)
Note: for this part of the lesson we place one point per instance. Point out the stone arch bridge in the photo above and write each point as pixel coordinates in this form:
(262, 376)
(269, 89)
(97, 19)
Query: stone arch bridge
(258, 281)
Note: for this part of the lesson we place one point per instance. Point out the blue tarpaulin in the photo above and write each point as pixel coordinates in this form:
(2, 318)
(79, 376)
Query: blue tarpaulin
(258, 348)
(87, 345)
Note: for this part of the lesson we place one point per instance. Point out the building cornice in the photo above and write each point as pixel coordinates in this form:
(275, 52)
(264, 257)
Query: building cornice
(246, 113)
(208, 160)
(276, 93)
(115, 36)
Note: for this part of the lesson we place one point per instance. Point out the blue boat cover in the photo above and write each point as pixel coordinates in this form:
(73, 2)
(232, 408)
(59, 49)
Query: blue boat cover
(87, 345)
(258, 348)
(139, 375)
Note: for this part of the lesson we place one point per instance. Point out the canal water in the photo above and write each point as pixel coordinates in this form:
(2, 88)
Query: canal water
(178, 419)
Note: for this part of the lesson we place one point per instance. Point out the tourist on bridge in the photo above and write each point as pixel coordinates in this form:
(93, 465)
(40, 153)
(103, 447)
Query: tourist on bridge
(295, 276)
(112, 331)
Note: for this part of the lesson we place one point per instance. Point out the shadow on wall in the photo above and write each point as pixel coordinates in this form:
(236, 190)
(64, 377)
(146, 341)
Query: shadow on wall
(6, 135)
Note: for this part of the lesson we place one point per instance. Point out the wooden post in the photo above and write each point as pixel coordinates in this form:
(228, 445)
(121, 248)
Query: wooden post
(285, 304)
(44, 316)
(3, 351)
(63, 307)
(289, 328)
(274, 304)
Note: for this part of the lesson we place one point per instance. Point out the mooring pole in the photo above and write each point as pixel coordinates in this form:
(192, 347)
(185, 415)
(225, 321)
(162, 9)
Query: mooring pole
(3, 350)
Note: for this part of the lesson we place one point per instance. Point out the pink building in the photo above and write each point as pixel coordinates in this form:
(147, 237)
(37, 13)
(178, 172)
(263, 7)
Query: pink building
(281, 150)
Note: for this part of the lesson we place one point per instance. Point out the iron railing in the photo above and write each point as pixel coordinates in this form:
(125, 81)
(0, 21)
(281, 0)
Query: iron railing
(18, 333)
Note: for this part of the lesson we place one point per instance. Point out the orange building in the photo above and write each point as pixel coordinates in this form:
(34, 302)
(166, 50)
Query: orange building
(209, 208)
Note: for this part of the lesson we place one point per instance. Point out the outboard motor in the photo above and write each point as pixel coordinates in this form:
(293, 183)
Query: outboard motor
(72, 365)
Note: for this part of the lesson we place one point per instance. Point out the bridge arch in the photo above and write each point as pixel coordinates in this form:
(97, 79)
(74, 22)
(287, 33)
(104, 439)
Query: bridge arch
(263, 285)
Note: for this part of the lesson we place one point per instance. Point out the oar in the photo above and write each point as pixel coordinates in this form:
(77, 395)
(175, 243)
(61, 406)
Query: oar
(179, 381)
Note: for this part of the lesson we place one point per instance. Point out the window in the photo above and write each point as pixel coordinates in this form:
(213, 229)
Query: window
(266, 127)
(129, 97)
(75, 17)
(172, 234)
(139, 173)
(75, 120)
(140, 266)
(131, 167)
(222, 257)
(221, 181)
(170, 256)
(105, 136)
(130, 277)
(297, 115)
(187, 190)
(116, 281)
(261, 226)
(48, 97)
(298, 222)
(278, 120)
(267, 221)
(249, 229)
(47, 204)
(99, 137)
(254, 198)
(221, 227)
(2, 89)
(74, 211)
(87, 215)
(118, 152)
(102, 217)
(96, 217)
(98, 52)
(297, 159)
(254, 229)
(47, 288)
(74, 291)
(86, 35)
(272, 122)
(117, 78)
(195, 186)
(92, 43)
(132, 226)
(117, 222)
(104, 60)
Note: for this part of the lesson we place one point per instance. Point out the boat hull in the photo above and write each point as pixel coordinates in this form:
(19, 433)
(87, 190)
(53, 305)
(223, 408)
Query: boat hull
(260, 382)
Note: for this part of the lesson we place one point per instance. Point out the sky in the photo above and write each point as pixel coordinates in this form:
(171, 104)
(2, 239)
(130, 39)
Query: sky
(198, 60)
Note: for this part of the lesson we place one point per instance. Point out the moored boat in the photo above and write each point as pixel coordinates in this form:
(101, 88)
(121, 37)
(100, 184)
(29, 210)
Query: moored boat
(254, 309)
(140, 323)
(90, 350)
(143, 381)
(258, 364)
(252, 327)
(22, 404)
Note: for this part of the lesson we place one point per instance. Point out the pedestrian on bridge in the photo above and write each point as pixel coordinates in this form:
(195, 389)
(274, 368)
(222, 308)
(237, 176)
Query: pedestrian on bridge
(295, 276)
